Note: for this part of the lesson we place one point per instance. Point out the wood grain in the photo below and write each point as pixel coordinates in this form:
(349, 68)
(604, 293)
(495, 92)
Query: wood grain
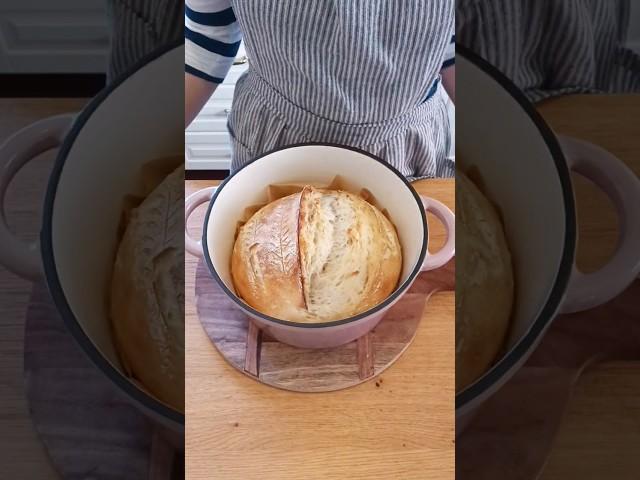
(252, 349)
(403, 427)
(163, 456)
(365, 357)
(601, 430)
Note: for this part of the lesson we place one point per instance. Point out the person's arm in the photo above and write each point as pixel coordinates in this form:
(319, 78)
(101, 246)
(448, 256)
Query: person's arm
(196, 94)
(448, 72)
(211, 41)
(449, 81)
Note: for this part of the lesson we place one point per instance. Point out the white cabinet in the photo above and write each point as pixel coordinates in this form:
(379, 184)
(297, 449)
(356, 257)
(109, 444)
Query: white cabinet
(62, 36)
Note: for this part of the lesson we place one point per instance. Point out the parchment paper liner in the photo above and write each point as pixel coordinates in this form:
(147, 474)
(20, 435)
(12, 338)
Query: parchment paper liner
(275, 191)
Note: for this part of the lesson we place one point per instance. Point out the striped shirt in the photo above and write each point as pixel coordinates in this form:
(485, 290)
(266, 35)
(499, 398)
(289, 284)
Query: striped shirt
(212, 38)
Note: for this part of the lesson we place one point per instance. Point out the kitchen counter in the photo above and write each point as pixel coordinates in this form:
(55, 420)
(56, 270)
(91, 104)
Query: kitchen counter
(238, 428)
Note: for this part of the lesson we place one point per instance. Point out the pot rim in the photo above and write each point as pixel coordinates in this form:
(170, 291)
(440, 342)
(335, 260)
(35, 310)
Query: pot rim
(547, 313)
(46, 248)
(267, 318)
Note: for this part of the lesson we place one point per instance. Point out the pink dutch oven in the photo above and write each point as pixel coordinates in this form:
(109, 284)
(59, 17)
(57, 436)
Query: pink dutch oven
(92, 175)
(526, 169)
(319, 163)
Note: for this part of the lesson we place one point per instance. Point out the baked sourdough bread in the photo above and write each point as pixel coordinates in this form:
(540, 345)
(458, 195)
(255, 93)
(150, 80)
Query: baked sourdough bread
(484, 284)
(316, 256)
(147, 293)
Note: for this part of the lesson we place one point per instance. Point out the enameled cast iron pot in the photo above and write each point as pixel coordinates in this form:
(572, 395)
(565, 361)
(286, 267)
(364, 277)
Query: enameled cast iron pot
(135, 120)
(319, 164)
(525, 169)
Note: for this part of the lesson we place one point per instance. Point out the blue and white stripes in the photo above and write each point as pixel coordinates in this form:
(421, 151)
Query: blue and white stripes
(212, 38)
(450, 53)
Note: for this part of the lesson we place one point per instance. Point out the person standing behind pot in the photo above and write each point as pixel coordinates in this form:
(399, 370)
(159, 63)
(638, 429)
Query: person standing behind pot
(363, 74)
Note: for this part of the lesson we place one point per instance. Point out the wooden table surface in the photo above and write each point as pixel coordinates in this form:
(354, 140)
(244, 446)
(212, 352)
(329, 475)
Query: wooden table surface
(237, 428)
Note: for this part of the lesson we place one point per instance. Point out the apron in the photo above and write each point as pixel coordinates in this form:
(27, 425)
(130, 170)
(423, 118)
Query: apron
(140, 27)
(551, 47)
(362, 73)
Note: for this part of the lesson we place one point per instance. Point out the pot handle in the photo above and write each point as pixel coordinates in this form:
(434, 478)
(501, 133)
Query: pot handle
(447, 217)
(20, 257)
(620, 184)
(194, 247)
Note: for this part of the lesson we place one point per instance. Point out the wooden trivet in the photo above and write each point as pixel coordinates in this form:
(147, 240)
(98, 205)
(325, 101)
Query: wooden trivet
(263, 358)
(87, 425)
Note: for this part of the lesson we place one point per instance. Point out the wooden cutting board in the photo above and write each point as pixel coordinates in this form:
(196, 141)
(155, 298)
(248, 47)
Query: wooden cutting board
(261, 357)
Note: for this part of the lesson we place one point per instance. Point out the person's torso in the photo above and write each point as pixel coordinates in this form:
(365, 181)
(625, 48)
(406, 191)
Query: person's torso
(351, 61)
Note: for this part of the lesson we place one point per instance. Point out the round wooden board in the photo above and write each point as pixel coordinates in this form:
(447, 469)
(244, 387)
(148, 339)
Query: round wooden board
(87, 425)
(279, 365)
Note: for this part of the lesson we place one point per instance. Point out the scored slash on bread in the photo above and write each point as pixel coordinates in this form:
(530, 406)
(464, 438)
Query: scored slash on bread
(315, 256)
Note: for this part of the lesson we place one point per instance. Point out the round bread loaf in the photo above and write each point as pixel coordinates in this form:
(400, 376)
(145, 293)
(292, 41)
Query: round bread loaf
(484, 284)
(316, 256)
(147, 293)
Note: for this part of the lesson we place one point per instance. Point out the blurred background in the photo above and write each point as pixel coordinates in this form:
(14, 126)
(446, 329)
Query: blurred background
(634, 27)
(69, 36)
(59, 50)
(54, 56)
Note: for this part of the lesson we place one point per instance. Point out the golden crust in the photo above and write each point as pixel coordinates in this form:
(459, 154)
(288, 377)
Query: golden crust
(265, 259)
(485, 289)
(147, 293)
(316, 256)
